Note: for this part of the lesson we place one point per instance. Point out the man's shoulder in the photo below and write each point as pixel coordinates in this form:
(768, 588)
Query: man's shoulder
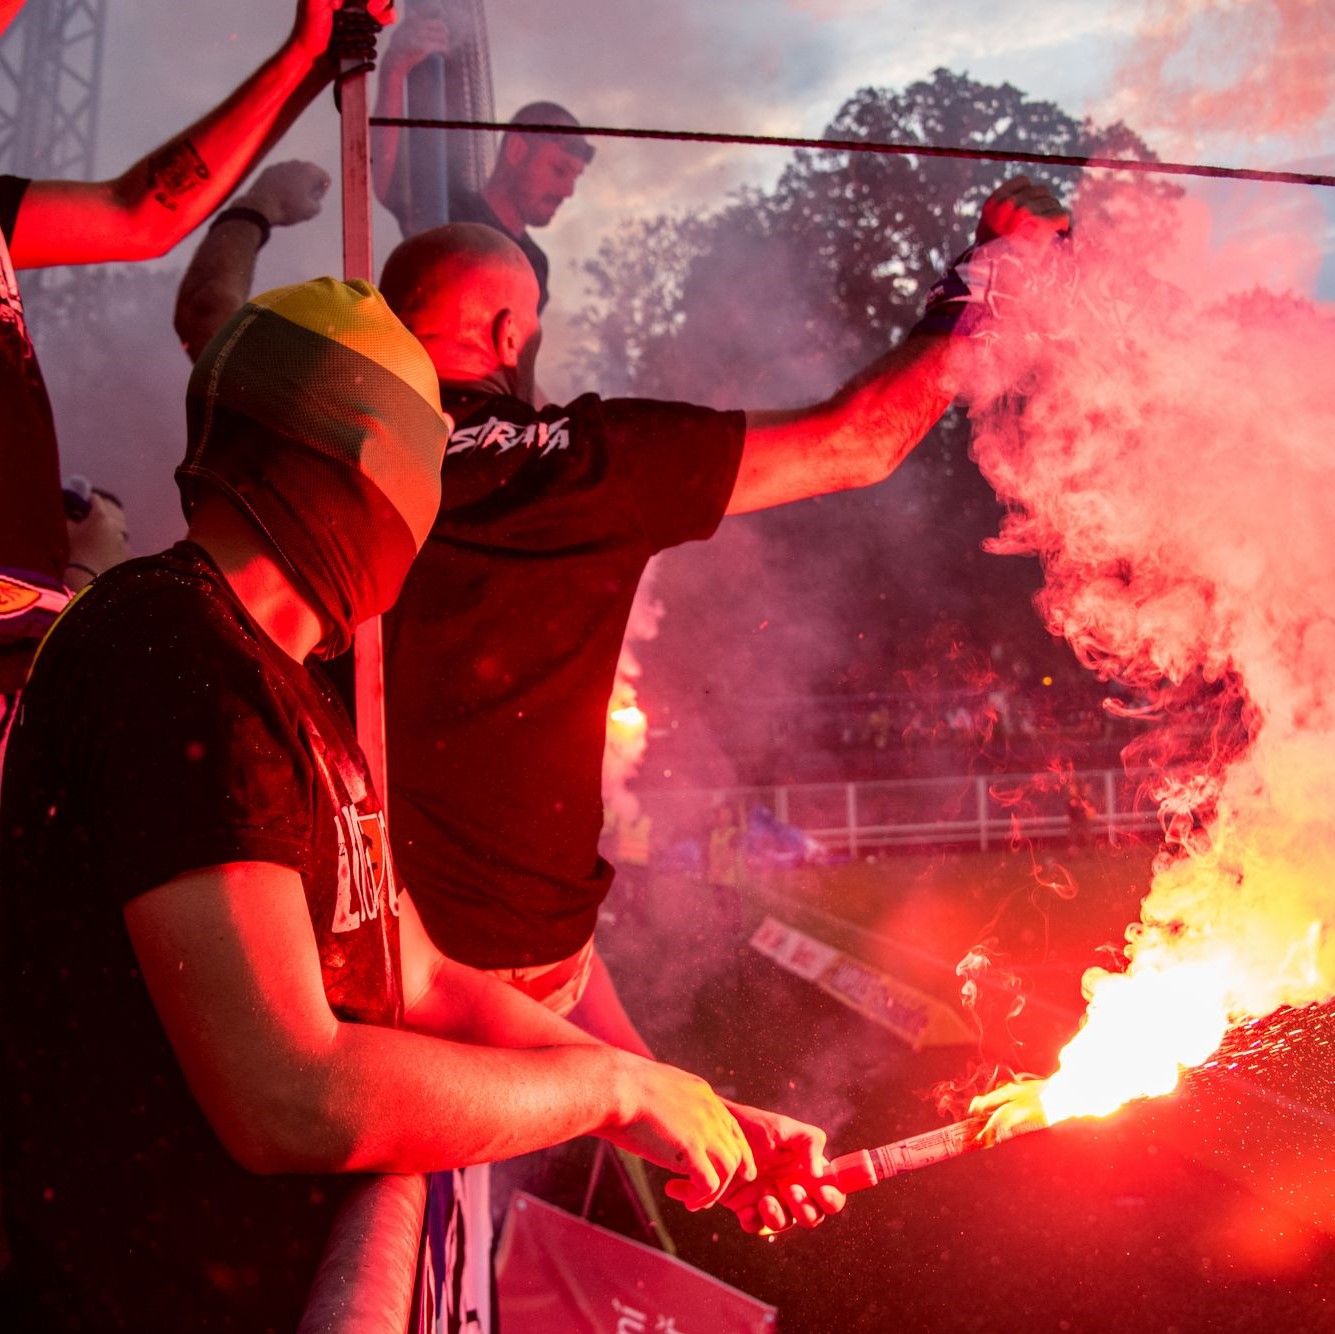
(537, 256)
(148, 614)
(12, 190)
(180, 577)
(468, 408)
(478, 417)
(469, 206)
(475, 413)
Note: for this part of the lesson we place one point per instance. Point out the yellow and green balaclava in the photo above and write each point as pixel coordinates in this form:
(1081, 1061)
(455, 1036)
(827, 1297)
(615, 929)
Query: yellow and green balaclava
(317, 414)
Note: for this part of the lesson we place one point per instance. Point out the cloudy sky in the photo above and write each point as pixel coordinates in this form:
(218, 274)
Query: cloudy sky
(1192, 75)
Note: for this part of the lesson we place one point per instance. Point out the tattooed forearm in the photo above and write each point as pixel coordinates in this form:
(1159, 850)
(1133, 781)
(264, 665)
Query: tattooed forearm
(174, 172)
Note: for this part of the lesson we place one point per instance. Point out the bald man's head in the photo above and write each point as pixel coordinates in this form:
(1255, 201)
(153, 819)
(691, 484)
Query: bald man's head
(471, 297)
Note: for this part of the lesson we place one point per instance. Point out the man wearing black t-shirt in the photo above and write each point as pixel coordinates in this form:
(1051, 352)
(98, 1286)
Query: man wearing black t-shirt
(534, 175)
(216, 999)
(502, 651)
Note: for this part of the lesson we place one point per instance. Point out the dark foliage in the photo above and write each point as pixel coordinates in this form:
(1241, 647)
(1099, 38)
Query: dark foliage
(774, 300)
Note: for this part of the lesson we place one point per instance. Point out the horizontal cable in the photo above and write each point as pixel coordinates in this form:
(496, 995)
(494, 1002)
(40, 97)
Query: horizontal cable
(869, 146)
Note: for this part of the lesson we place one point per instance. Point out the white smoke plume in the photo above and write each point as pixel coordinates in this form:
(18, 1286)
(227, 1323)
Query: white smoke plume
(1171, 457)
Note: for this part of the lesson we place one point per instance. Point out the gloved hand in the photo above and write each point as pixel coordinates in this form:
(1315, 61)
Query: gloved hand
(1018, 225)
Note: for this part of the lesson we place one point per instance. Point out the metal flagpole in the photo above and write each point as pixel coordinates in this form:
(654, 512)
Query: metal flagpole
(369, 696)
(427, 151)
(432, 163)
(367, 1278)
(368, 645)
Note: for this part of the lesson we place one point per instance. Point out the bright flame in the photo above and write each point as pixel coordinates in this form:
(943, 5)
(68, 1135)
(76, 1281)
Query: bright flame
(1169, 1012)
(1140, 1031)
(631, 718)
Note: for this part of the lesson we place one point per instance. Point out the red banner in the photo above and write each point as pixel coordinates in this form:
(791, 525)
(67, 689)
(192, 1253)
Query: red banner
(557, 1272)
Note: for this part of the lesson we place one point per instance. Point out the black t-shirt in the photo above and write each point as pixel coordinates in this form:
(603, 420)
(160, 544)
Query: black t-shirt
(502, 652)
(33, 540)
(162, 732)
(468, 207)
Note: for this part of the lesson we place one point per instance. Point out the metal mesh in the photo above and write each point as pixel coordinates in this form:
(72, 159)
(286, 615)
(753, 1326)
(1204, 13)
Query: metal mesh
(474, 98)
(455, 86)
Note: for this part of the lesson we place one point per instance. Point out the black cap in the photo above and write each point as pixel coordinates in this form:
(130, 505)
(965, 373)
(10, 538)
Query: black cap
(553, 113)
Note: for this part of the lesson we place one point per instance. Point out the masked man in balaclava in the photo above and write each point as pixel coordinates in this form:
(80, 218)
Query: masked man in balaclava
(217, 1001)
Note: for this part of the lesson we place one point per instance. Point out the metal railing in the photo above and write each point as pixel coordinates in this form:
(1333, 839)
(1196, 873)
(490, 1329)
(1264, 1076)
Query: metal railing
(978, 810)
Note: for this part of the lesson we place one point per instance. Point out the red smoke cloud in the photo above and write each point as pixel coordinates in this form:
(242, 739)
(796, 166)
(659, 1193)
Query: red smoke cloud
(1171, 457)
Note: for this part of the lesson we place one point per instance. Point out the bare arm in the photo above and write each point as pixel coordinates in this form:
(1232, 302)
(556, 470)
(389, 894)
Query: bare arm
(222, 270)
(453, 1000)
(862, 434)
(231, 963)
(601, 1012)
(149, 208)
(422, 33)
(858, 437)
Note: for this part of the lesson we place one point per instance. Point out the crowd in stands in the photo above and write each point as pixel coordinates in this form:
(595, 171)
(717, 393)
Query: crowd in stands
(852, 738)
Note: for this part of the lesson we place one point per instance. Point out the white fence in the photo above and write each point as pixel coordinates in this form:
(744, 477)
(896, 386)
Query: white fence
(979, 810)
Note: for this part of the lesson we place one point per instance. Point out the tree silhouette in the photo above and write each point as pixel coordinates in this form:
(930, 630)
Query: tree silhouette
(833, 263)
(774, 300)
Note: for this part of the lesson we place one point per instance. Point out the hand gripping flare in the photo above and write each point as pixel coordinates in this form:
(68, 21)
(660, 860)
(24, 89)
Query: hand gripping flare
(981, 1130)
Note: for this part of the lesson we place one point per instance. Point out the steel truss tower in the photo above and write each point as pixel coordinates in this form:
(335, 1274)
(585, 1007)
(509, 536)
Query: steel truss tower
(50, 87)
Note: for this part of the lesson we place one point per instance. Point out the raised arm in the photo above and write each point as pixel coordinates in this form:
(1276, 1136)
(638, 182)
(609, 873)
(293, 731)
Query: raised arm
(421, 34)
(861, 434)
(231, 963)
(858, 437)
(220, 274)
(149, 208)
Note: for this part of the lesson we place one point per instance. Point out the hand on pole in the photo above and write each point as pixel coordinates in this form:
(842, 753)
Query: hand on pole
(314, 22)
(419, 35)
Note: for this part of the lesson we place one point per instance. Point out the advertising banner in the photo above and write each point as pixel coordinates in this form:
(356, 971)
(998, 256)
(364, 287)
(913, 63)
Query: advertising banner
(558, 1272)
(919, 1019)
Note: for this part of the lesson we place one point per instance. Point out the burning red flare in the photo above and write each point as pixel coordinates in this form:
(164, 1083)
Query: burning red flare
(631, 719)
